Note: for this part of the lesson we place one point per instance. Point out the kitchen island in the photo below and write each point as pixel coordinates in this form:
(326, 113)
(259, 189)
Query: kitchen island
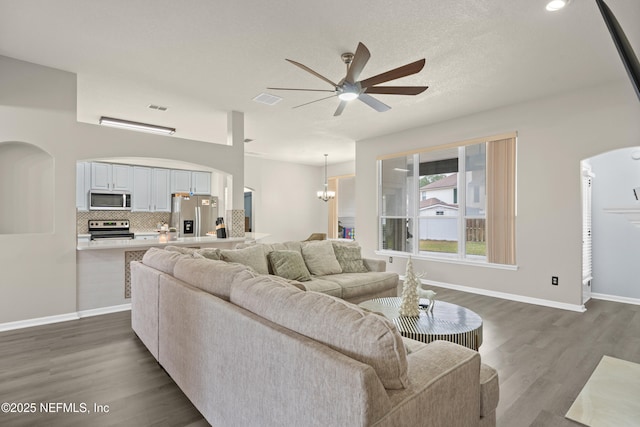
(102, 267)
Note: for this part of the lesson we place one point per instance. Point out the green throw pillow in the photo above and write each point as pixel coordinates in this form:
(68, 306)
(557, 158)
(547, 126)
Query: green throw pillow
(289, 265)
(349, 258)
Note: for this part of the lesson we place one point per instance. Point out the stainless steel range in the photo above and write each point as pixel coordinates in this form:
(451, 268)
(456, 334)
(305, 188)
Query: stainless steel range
(110, 229)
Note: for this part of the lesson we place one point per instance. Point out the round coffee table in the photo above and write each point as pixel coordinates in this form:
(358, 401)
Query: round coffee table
(448, 322)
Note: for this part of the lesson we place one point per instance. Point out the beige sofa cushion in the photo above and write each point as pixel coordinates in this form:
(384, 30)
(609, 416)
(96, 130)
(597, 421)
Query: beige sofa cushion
(209, 253)
(252, 256)
(162, 260)
(180, 249)
(214, 277)
(349, 257)
(320, 258)
(289, 264)
(345, 327)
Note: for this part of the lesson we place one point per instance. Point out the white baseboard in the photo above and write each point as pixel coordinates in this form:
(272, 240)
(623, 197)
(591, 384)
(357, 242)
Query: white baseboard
(615, 298)
(104, 310)
(507, 296)
(20, 324)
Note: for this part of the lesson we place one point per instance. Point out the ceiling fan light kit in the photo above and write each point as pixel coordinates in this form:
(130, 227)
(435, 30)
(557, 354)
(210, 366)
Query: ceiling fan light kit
(555, 5)
(350, 88)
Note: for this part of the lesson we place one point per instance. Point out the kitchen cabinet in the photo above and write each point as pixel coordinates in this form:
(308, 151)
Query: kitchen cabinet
(83, 184)
(141, 194)
(195, 182)
(151, 190)
(201, 182)
(161, 190)
(111, 177)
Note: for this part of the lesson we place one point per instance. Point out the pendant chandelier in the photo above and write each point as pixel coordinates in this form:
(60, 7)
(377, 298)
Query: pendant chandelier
(325, 194)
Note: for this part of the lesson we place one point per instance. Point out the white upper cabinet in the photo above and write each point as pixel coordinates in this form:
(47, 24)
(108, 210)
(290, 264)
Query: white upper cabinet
(83, 184)
(180, 181)
(151, 190)
(111, 177)
(141, 194)
(201, 182)
(190, 182)
(122, 177)
(161, 190)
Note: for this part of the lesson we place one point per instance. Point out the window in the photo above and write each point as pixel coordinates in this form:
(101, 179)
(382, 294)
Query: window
(454, 202)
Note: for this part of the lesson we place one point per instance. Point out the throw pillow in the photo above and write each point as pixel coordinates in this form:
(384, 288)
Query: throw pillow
(180, 249)
(289, 265)
(252, 256)
(350, 258)
(320, 258)
(209, 253)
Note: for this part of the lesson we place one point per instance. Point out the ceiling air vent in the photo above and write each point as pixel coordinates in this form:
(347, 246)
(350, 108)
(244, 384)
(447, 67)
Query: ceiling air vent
(157, 107)
(265, 98)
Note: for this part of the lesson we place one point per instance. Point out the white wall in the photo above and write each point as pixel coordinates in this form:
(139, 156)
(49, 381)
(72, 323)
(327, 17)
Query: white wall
(37, 106)
(284, 199)
(554, 134)
(616, 241)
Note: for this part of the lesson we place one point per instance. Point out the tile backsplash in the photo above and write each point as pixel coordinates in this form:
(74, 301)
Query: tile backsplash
(138, 221)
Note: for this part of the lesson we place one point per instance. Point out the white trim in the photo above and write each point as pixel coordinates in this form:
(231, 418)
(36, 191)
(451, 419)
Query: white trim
(28, 323)
(615, 298)
(504, 295)
(451, 260)
(19, 324)
(104, 310)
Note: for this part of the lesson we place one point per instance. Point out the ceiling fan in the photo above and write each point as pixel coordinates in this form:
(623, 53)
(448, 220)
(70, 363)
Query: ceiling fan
(350, 88)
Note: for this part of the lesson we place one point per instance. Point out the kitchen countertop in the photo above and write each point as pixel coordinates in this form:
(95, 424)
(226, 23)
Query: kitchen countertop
(181, 241)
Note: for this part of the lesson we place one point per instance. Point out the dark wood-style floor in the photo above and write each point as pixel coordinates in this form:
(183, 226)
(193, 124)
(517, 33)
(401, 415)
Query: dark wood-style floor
(543, 356)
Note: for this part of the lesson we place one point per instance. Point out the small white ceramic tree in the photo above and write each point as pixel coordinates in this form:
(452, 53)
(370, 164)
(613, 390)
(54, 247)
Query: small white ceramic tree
(409, 305)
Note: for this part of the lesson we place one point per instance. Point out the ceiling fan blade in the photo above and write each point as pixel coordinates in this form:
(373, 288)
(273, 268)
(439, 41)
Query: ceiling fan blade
(340, 108)
(397, 90)
(309, 90)
(396, 73)
(309, 70)
(311, 102)
(360, 59)
(373, 103)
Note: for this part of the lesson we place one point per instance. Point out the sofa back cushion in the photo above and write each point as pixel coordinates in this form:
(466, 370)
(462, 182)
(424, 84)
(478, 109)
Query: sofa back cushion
(345, 327)
(162, 260)
(251, 256)
(214, 277)
(320, 258)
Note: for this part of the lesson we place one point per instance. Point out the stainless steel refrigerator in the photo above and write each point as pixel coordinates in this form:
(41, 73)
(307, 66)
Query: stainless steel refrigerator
(193, 216)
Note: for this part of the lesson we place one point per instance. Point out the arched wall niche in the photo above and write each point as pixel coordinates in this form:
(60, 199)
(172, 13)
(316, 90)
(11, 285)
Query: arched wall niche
(26, 189)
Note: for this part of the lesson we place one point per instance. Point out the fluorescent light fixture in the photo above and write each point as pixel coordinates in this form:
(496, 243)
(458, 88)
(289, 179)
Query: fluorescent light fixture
(348, 96)
(142, 127)
(400, 170)
(554, 5)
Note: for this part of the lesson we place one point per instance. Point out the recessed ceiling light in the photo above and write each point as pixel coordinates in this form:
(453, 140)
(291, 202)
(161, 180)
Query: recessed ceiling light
(555, 5)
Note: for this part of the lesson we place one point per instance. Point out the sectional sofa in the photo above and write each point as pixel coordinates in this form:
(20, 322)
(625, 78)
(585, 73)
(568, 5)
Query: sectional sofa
(330, 267)
(251, 349)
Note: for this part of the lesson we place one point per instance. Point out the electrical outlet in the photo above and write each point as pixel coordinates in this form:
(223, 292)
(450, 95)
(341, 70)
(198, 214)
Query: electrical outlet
(390, 260)
(554, 280)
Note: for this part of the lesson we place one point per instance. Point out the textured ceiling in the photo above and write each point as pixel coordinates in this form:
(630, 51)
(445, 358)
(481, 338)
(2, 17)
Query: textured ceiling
(202, 58)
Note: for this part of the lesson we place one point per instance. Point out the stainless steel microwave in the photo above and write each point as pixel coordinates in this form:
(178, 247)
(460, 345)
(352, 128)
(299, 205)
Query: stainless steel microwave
(109, 201)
